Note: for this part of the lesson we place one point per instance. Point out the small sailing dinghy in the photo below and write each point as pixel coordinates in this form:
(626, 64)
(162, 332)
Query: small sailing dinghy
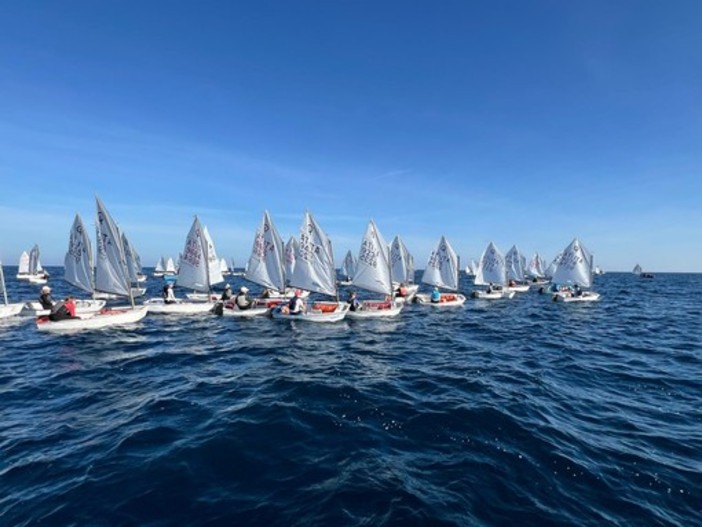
(265, 267)
(492, 273)
(515, 264)
(402, 271)
(372, 273)
(574, 270)
(110, 276)
(442, 271)
(7, 310)
(196, 271)
(30, 268)
(348, 269)
(314, 271)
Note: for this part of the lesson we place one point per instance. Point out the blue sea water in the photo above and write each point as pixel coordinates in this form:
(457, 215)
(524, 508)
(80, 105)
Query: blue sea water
(517, 412)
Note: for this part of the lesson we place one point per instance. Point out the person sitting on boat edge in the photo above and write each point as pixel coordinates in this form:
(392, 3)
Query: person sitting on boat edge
(353, 302)
(45, 298)
(577, 291)
(63, 310)
(435, 295)
(489, 288)
(296, 304)
(227, 293)
(242, 300)
(168, 294)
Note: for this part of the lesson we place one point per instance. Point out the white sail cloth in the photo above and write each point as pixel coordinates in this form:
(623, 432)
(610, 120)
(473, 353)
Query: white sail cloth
(373, 264)
(442, 267)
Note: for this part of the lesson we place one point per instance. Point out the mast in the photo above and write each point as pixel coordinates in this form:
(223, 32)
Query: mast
(2, 279)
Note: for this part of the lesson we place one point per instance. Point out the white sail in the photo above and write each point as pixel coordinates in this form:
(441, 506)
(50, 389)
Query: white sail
(78, 263)
(34, 260)
(223, 267)
(552, 266)
(23, 263)
(170, 266)
(314, 260)
(160, 266)
(373, 264)
(514, 264)
(291, 249)
(534, 268)
(491, 267)
(348, 266)
(398, 260)
(130, 258)
(110, 267)
(442, 267)
(215, 270)
(193, 268)
(410, 266)
(637, 269)
(574, 266)
(266, 265)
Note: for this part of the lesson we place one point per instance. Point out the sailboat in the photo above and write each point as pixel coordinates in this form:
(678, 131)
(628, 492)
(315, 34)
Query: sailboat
(314, 271)
(196, 271)
(442, 271)
(224, 268)
(535, 270)
(574, 269)
(640, 272)
(111, 276)
(348, 268)
(160, 268)
(402, 271)
(372, 273)
(78, 271)
(291, 247)
(6, 309)
(514, 265)
(492, 272)
(214, 268)
(265, 267)
(30, 268)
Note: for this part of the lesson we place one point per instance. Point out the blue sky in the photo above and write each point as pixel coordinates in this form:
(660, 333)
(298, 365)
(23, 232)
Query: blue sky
(516, 122)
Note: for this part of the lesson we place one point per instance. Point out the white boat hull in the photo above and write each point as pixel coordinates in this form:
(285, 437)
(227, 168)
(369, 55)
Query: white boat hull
(103, 319)
(201, 297)
(378, 309)
(494, 295)
(232, 310)
(518, 288)
(10, 310)
(587, 296)
(318, 312)
(83, 307)
(447, 300)
(159, 307)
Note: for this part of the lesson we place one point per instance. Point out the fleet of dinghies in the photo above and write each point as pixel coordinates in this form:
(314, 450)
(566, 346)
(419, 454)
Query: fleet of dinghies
(297, 268)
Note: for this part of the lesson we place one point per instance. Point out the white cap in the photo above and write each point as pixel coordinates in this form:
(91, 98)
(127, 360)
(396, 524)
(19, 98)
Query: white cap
(244, 289)
(46, 289)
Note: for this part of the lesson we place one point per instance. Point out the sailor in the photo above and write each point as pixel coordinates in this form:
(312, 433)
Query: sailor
(45, 298)
(242, 300)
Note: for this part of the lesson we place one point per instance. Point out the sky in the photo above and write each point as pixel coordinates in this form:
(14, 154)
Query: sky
(526, 123)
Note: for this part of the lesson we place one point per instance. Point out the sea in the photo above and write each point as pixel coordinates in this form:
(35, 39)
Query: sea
(497, 413)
